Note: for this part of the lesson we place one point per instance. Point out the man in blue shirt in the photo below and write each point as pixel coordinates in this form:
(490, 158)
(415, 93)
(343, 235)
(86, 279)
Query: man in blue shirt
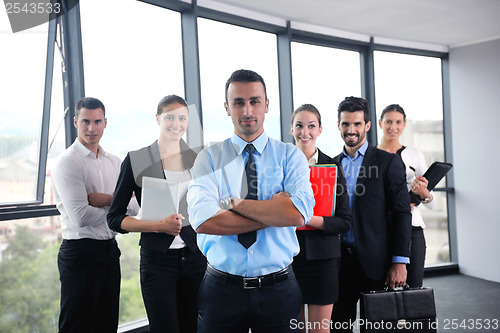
(376, 249)
(249, 283)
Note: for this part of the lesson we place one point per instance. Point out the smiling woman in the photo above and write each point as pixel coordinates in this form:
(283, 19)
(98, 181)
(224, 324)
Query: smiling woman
(171, 265)
(415, 82)
(393, 122)
(173, 121)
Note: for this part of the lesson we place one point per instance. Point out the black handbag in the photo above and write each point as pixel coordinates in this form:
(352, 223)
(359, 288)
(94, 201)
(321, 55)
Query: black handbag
(406, 310)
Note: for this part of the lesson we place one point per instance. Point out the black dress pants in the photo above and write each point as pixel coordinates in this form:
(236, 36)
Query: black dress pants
(169, 284)
(89, 271)
(352, 281)
(229, 308)
(417, 259)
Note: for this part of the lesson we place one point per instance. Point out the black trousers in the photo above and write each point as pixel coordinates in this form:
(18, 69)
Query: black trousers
(229, 308)
(352, 281)
(169, 284)
(417, 258)
(89, 271)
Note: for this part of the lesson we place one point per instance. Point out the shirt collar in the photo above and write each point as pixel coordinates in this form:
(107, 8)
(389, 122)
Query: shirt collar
(259, 143)
(84, 151)
(361, 151)
(314, 159)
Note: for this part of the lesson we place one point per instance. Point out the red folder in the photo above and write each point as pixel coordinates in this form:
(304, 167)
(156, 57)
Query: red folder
(323, 179)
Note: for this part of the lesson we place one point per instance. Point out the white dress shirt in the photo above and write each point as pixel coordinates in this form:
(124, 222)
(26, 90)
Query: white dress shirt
(415, 158)
(77, 173)
(183, 178)
(314, 159)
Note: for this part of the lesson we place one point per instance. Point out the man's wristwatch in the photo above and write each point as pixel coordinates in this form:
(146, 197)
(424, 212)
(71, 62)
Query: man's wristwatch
(226, 203)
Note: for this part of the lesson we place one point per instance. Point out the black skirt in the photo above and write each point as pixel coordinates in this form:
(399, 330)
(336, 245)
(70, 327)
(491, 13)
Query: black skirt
(318, 279)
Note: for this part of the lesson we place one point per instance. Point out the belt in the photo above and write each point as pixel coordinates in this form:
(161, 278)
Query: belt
(251, 282)
(89, 241)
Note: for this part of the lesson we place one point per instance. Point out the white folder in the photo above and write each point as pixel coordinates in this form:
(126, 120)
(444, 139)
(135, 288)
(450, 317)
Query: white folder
(160, 198)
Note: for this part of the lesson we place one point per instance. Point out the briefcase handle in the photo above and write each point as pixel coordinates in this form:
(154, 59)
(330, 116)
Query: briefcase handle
(406, 287)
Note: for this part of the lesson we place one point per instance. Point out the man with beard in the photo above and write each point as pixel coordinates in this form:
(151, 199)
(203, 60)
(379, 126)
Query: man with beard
(376, 249)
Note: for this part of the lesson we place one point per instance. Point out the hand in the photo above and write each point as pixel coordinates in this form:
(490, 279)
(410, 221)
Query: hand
(226, 203)
(99, 199)
(419, 187)
(171, 224)
(396, 276)
(317, 222)
(281, 194)
(412, 205)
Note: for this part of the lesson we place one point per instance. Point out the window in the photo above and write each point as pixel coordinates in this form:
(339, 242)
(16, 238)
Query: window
(225, 48)
(57, 141)
(415, 83)
(132, 54)
(29, 277)
(131, 61)
(21, 109)
(28, 247)
(324, 76)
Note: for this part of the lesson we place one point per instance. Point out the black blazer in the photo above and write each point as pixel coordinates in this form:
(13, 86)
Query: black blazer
(381, 216)
(325, 244)
(130, 181)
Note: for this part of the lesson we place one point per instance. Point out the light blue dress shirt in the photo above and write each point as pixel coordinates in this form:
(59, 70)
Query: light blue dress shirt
(218, 173)
(351, 166)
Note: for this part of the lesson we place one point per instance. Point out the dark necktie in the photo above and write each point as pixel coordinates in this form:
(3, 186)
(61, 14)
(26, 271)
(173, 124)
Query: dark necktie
(248, 238)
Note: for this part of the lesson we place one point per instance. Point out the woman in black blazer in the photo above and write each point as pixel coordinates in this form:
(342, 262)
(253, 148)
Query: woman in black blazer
(317, 264)
(171, 267)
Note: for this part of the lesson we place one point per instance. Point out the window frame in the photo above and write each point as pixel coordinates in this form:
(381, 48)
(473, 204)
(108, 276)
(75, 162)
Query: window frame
(73, 81)
(17, 207)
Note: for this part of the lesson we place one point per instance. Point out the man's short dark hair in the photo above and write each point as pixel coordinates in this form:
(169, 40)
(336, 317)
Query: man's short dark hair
(245, 75)
(354, 104)
(90, 103)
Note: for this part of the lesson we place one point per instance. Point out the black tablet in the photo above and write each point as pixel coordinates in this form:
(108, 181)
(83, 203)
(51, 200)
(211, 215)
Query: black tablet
(434, 174)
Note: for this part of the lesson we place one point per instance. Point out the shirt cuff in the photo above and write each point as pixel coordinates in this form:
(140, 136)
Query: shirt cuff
(400, 260)
(303, 210)
(199, 217)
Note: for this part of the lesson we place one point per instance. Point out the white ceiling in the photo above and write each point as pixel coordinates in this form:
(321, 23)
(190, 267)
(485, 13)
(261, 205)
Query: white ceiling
(447, 23)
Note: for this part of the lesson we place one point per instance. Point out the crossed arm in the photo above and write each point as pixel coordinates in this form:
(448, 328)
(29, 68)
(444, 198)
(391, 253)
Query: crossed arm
(251, 215)
(99, 199)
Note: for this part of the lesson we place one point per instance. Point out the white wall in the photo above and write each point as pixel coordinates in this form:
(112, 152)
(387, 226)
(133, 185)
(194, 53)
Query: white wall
(475, 118)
